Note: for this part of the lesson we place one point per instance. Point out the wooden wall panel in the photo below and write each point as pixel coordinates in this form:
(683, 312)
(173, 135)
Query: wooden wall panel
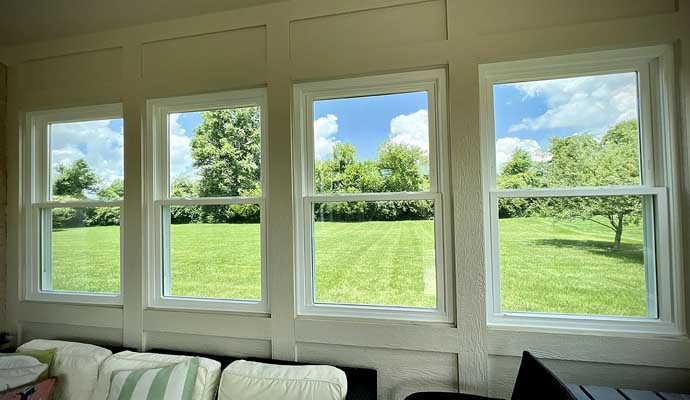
(89, 334)
(86, 73)
(209, 344)
(508, 16)
(401, 25)
(400, 372)
(212, 61)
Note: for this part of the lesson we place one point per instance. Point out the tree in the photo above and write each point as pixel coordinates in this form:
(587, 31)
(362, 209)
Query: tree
(75, 180)
(106, 216)
(519, 172)
(226, 149)
(401, 165)
(582, 160)
(114, 191)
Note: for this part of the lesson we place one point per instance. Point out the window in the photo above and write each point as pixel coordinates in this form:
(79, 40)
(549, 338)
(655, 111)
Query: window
(577, 167)
(75, 198)
(207, 209)
(371, 197)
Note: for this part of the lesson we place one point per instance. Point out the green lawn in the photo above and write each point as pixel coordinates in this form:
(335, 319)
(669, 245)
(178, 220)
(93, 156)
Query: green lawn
(547, 265)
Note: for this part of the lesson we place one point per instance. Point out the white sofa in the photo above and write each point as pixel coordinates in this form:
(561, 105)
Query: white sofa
(84, 373)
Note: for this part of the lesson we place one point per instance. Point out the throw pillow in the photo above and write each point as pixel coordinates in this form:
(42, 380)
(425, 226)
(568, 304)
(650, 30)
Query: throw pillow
(175, 382)
(16, 371)
(43, 356)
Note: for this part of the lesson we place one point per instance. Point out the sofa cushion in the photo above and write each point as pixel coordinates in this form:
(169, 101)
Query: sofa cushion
(248, 380)
(205, 385)
(172, 382)
(75, 365)
(19, 370)
(44, 356)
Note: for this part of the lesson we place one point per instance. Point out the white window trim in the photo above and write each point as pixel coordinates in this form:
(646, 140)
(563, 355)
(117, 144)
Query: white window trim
(434, 83)
(658, 141)
(36, 186)
(157, 196)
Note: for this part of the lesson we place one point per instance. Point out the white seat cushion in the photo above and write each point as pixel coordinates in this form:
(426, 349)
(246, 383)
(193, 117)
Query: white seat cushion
(16, 371)
(205, 385)
(247, 380)
(76, 366)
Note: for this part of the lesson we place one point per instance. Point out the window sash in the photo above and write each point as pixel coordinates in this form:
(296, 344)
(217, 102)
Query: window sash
(434, 84)
(651, 211)
(38, 187)
(158, 179)
(659, 179)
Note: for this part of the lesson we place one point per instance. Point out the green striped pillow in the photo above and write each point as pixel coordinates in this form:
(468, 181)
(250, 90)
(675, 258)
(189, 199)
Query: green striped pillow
(174, 382)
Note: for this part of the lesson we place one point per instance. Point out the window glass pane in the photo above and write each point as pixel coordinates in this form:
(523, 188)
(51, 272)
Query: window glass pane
(372, 144)
(375, 253)
(580, 131)
(86, 160)
(215, 252)
(576, 255)
(215, 153)
(85, 250)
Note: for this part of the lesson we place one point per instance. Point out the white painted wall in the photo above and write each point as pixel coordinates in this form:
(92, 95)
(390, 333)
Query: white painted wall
(301, 40)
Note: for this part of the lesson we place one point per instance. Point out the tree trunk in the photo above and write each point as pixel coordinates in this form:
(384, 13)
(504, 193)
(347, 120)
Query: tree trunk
(619, 232)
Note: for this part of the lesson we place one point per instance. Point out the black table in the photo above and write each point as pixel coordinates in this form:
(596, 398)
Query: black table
(589, 392)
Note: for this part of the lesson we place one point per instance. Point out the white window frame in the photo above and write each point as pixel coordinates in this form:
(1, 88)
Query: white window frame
(38, 204)
(158, 196)
(654, 66)
(434, 83)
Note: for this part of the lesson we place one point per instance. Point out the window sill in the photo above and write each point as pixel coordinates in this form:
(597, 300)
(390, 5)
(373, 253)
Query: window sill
(82, 299)
(584, 325)
(393, 315)
(209, 306)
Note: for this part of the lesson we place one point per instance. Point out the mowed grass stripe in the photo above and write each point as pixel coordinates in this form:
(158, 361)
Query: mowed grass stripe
(547, 265)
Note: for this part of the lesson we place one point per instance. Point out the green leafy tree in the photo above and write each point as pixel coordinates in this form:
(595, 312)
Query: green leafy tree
(582, 160)
(183, 187)
(401, 166)
(519, 172)
(73, 181)
(107, 216)
(226, 149)
(114, 191)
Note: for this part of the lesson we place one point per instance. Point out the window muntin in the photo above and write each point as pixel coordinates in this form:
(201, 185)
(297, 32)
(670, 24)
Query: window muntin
(74, 214)
(209, 194)
(385, 166)
(653, 189)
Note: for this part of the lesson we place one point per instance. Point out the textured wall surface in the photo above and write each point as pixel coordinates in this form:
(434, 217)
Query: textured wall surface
(3, 194)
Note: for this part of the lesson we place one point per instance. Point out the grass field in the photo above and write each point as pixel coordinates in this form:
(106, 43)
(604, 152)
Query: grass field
(547, 265)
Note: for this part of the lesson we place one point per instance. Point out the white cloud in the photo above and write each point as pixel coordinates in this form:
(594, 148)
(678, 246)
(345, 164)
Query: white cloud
(505, 147)
(180, 149)
(325, 129)
(584, 104)
(95, 141)
(411, 129)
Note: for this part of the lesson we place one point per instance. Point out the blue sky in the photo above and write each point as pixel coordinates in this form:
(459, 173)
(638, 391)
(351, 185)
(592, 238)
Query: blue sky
(99, 142)
(527, 114)
(367, 122)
